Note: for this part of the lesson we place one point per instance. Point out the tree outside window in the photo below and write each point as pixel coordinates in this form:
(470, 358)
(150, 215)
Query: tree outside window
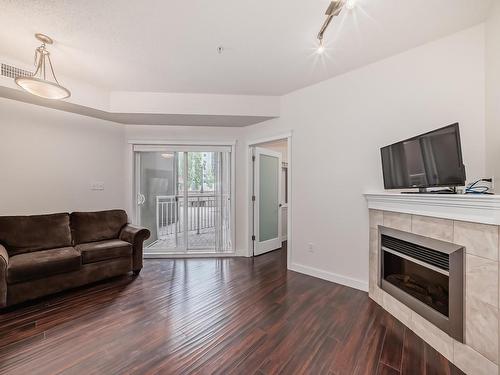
(201, 174)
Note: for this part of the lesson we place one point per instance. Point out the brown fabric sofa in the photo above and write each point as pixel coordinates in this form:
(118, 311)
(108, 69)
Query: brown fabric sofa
(45, 254)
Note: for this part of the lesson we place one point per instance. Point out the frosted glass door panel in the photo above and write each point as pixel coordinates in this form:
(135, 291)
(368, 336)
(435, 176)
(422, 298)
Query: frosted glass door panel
(269, 197)
(266, 202)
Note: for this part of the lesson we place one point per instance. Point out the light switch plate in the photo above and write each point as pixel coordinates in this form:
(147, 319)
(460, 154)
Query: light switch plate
(97, 186)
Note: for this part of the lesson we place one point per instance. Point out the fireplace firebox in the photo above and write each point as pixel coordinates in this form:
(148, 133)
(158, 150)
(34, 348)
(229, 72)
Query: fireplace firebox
(425, 274)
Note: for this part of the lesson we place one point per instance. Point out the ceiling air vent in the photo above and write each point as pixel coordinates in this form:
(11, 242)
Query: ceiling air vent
(13, 72)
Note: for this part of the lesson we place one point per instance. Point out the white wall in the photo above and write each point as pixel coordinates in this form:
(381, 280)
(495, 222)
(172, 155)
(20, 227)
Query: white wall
(194, 104)
(49, 158)
(493, 94)
(339, 125)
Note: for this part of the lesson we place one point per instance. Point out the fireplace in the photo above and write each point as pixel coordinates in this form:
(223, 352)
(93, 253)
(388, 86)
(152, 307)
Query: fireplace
(425, 274)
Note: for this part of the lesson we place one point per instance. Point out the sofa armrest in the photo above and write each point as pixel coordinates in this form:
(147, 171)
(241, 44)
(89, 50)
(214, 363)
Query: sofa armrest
(136, 237)
(4, 262)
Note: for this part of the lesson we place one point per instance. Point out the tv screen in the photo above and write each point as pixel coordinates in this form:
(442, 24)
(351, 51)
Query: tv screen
(428, 160)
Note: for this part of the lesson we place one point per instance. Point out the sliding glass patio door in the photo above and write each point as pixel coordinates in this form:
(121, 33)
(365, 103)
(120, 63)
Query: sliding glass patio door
(183, 196)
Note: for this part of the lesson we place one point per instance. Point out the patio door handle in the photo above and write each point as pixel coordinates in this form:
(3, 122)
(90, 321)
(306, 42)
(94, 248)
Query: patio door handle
(141, 198)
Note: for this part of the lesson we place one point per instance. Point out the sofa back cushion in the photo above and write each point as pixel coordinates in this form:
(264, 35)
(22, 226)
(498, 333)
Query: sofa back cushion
(97, 226)
(25, 234)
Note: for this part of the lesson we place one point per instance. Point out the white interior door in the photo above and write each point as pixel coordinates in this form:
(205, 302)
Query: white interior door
(266, 200)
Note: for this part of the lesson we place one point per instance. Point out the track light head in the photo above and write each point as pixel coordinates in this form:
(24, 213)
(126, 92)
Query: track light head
(350, 4)
(321, 47)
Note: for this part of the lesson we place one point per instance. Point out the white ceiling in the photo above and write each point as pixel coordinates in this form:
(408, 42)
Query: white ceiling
(171, 45)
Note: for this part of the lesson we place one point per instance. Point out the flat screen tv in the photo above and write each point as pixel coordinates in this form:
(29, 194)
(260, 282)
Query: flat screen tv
(429, 160)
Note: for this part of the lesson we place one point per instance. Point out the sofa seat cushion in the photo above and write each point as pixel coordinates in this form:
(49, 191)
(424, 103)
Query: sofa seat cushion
(40, 264)
(103, 250)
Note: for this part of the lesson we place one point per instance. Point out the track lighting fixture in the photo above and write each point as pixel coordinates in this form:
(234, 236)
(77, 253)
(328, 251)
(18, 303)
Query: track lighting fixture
(333, 10)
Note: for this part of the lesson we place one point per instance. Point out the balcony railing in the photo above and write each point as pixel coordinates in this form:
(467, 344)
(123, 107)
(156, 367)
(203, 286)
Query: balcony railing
(201, 213)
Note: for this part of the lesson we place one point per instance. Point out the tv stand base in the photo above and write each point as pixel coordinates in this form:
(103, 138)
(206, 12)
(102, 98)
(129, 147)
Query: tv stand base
(451, 190)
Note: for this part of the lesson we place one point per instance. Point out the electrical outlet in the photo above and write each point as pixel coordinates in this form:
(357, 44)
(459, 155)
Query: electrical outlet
(97, 186)
(310, 247)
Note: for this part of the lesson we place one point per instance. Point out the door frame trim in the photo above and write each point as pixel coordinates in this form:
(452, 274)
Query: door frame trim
(255, 142)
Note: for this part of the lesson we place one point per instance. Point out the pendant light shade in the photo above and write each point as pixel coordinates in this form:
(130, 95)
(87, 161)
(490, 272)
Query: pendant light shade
(39, 83)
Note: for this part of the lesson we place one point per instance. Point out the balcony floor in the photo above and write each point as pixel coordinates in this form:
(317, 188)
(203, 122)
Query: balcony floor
(204, 240)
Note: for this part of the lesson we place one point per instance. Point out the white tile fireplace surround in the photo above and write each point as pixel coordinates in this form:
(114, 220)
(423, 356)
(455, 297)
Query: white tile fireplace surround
(467, 220)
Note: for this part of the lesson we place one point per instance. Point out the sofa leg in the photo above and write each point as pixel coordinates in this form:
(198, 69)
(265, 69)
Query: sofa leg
(137, 272)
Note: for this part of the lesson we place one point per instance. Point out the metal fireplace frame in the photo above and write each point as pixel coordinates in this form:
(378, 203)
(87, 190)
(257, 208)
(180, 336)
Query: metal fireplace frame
(453, 324)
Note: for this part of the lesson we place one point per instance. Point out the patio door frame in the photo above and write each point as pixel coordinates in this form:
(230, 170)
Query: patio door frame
(181, 146)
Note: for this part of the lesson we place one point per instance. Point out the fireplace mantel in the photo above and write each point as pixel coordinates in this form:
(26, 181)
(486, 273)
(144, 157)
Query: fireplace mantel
(483, 209)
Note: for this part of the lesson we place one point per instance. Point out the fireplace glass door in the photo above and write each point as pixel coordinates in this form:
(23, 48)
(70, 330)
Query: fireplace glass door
(427, 285)
(425, 274)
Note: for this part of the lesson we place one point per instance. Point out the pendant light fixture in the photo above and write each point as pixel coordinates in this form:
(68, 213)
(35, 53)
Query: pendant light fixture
(39, 83)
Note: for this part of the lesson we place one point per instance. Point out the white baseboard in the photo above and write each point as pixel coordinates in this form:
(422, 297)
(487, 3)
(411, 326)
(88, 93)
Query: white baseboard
(190, 255)
(330, 276)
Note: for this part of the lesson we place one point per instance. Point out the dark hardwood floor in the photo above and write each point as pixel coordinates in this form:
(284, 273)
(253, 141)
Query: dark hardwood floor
(212, 316)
